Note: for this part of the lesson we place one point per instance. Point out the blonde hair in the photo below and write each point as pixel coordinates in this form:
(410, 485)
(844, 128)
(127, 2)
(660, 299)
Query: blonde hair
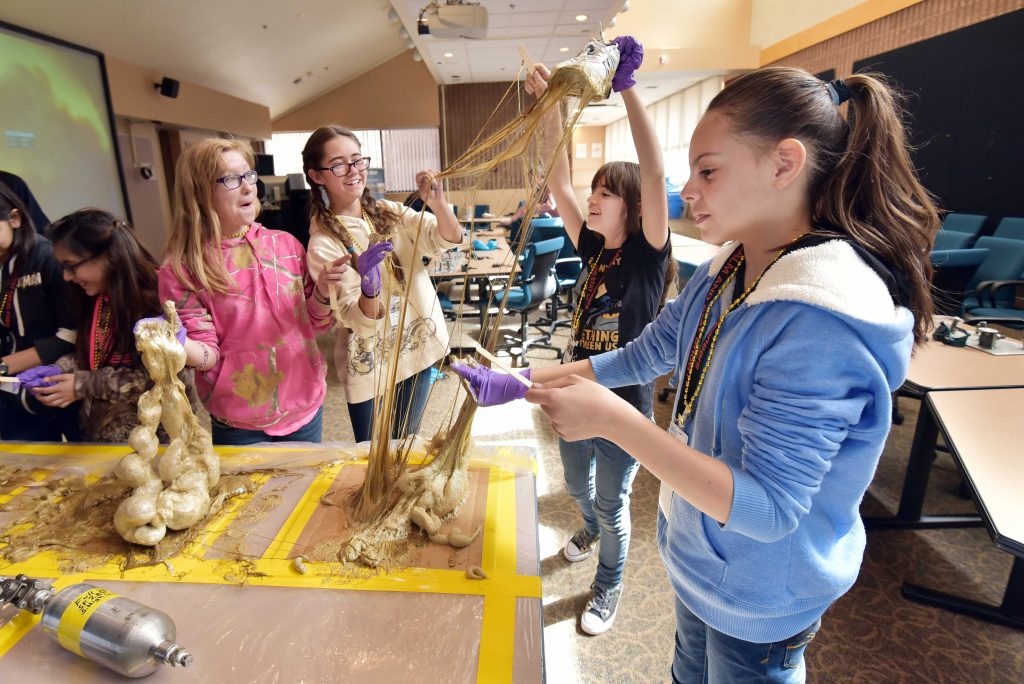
(193, 249)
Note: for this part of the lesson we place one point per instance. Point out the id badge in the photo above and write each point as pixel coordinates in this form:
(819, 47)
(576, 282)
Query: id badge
(675, 429)
(395, 310)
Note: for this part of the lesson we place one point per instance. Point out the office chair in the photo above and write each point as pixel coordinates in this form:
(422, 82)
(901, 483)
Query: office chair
(992, 290)
(964, 223)
(1010, 228)
(952, 271)
(534, 285)
(952, 239)
(568, 267)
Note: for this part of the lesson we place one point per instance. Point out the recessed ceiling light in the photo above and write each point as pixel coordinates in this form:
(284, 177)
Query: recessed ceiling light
(582, 17)
(563, 49)
(449, 54)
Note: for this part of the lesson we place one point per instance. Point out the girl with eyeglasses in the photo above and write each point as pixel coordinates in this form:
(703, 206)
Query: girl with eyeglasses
(247, 303)
(380, 238)
(117, 284)
(37, 324)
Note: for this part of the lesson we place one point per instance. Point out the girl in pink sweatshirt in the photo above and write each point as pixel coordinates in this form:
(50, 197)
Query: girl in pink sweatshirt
(249, 308)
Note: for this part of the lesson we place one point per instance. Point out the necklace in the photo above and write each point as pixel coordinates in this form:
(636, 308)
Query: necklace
(353, 247)
(12, 284)
(703, 348)
(587, 294)
(238, 234)
(390, 264)
(100, 331)
(369, 222)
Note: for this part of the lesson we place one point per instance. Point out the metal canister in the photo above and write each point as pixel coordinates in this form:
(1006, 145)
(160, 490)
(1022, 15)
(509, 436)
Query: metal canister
(116, 632)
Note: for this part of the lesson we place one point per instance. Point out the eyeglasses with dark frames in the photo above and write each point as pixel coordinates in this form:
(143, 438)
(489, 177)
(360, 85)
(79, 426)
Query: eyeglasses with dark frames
(341, 169)
(72, 269)
(234, 180)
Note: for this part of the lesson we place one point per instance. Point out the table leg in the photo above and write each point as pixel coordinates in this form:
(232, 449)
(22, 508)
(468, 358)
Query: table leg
(1009, 613)
(915, 484)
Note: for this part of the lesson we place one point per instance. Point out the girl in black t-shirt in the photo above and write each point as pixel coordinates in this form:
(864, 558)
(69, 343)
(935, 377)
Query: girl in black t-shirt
(623, 239)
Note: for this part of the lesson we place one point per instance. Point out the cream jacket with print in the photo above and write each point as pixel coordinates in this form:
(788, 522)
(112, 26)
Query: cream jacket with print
(358, 339)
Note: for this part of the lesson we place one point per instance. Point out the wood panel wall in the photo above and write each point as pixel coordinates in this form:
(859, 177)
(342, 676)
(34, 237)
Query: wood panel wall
(911, 25)
(469, 112)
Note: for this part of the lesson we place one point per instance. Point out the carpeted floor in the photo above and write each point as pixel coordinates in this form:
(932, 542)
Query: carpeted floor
(870, 635)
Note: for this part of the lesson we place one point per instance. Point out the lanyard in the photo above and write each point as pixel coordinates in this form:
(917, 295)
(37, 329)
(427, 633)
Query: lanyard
(590, 287)
(100, 337)
(703, 348)
(6, 314)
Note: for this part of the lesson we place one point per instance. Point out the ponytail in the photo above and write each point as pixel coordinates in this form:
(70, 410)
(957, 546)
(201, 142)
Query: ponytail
(874, 196)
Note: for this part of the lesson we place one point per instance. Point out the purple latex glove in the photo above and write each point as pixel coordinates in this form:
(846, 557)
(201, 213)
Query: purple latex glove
(179, 333)
(631, 56)
(368, 264)
(36, 377)
(491, 388)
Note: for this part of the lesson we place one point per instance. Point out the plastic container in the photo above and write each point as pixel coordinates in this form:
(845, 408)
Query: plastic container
(675, 202)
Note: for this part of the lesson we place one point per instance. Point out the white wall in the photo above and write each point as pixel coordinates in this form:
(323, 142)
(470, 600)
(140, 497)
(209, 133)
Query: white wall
(674, 118)
(774, 20)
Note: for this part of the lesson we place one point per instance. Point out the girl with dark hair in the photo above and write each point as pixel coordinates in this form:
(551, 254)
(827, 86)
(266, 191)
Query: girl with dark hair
(117, 285)
(623, 240)
(36, 324)
(381, 239)
(789, 344)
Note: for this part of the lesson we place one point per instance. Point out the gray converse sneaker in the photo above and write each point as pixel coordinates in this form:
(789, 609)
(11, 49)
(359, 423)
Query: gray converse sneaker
(600, 611)
(580, 546)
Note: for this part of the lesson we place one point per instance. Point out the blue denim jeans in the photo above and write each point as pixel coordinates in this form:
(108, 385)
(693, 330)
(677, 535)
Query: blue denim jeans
(704, 654)
(225, 435)
(599, 475)
(410, 400)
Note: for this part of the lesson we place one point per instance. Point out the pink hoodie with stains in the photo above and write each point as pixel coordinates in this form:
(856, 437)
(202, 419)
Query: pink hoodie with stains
(270, 375)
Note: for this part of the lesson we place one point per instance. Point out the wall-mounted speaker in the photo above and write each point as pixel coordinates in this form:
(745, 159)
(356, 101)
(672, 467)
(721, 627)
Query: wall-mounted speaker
(168, 87)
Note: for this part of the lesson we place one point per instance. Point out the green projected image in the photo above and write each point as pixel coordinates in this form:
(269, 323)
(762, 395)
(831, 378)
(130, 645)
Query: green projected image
(55, 125)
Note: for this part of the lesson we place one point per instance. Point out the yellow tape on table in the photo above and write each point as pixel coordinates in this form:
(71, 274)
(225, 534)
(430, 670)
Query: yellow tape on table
(500, 590)
(72, 622)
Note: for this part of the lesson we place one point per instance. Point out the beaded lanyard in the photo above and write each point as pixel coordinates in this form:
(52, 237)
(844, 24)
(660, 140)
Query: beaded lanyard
(703, 347)
(390, 261)
(5, 314)
(100, 333)
(238, 234)
(588, 292)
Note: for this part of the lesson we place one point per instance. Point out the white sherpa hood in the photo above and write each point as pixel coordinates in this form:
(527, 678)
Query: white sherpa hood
(830, 275)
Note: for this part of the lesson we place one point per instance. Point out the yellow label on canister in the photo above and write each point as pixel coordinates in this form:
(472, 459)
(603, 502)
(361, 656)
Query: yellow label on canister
(69, 629)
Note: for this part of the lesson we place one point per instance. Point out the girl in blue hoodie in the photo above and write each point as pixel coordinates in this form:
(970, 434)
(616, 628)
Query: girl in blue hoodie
(789, 344)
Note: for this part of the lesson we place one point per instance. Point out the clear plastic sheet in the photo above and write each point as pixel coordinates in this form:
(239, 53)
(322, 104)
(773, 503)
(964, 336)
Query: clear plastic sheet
(247, 615)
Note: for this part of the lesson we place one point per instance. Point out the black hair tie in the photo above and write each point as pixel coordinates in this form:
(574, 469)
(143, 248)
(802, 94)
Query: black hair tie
(838, 91)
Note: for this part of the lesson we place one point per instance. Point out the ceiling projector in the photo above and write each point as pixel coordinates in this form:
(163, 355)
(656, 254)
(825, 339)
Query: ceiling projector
(453, 19)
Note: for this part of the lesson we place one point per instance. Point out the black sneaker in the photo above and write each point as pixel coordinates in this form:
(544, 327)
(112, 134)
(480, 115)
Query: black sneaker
(580, 546)
(600, 611)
